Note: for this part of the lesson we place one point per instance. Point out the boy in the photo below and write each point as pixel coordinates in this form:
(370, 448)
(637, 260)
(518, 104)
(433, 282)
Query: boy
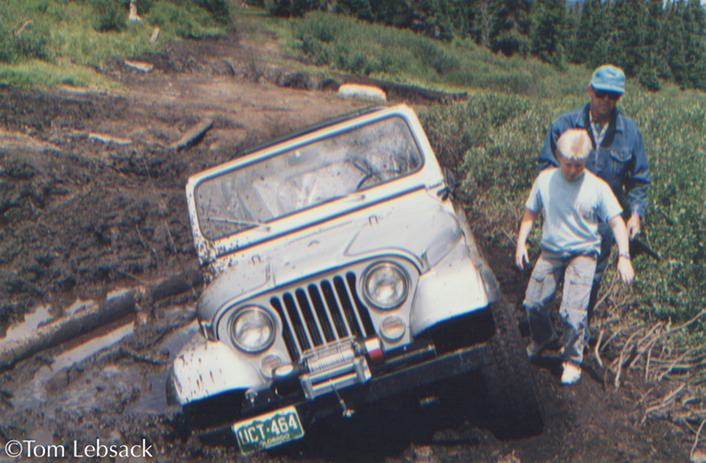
(574, 200)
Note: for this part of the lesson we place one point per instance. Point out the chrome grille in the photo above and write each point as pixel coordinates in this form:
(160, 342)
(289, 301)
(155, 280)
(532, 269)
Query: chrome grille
(322, 312)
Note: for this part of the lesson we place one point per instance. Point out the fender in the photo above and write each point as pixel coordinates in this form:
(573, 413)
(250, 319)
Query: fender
(206, 368)
(452, 287)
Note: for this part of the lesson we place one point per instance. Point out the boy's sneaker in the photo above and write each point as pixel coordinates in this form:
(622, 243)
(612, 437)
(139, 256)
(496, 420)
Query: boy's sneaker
(571, 373)
(534, 350)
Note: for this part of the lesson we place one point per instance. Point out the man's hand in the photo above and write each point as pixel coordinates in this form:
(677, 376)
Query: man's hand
(627, 273)
(634, 225)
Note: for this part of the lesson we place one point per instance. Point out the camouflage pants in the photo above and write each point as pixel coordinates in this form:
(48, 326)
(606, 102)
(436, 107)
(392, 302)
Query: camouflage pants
(577, 274)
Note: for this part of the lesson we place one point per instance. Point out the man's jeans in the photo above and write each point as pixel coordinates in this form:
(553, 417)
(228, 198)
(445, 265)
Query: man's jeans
(577, 273)
(603, 260)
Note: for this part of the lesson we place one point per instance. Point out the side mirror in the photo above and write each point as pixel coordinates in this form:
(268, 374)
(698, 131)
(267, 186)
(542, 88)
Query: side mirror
(453, 187)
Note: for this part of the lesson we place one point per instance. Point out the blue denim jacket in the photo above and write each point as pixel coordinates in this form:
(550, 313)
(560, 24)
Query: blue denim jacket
(620, 160)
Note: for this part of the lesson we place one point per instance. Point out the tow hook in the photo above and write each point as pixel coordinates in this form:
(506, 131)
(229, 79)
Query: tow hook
(345, 411)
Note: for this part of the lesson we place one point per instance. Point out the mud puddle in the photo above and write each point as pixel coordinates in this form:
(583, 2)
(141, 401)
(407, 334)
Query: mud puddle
(154, 400)
(67, 360)
(74, 352)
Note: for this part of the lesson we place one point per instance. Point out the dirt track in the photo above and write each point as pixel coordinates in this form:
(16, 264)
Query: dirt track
(82, 216)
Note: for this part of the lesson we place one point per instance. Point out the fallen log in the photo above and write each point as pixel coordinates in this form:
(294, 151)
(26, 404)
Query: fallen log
(193, 134)
(105, 138)
(93, 316)
(139, 65)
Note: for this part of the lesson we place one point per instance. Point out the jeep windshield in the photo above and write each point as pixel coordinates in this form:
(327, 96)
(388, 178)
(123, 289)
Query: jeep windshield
(310, 174)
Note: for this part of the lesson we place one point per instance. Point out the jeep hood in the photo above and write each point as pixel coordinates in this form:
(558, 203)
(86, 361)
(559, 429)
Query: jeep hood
(392, 227)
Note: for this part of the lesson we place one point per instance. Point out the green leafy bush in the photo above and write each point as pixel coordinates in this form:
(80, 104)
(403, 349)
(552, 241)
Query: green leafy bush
(673, 127)
(649, 79)
(111, 15)
(143, 6)
(219, 9)
(186, 22)
(39, 6)
(32, 42)
(287, 8)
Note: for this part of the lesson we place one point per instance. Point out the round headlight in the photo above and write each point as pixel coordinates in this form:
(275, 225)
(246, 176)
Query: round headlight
(385, 285)
(252, 329)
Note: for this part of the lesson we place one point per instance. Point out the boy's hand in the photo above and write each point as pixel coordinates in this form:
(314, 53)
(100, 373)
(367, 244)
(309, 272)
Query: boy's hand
(627, 274)
(521, 255)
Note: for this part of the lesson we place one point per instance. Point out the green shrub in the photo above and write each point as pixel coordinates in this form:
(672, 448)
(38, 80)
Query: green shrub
(111, 15)
(674, 130)
(143, 6)
(287, 8)
(8, 53)
(518, 82)
(649, 79)
(184, 22)
(39, 6)
(219, 9)
(318, 52)
(33, 42)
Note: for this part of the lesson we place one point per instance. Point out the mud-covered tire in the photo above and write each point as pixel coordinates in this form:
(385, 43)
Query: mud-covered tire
(512, 409)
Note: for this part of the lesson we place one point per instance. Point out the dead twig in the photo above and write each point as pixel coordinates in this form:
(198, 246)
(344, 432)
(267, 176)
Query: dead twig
(626, 352)
(611, 287)
(696, 441)
(648, 340)
(664, 403)
(127, 352)
(612, 337)
(643, 397)
(597, 349)
(687, 323)
(672, 366)
(24, 26)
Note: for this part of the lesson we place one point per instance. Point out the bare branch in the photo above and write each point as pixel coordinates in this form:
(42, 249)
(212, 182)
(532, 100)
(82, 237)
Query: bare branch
(696, 441)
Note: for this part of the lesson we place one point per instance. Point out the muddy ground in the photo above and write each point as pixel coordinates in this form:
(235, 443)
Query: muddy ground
(92, 201)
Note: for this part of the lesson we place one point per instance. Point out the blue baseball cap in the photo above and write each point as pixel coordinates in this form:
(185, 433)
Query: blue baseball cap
(609, 78)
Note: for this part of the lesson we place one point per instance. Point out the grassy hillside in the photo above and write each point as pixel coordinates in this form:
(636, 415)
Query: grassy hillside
(49, 42)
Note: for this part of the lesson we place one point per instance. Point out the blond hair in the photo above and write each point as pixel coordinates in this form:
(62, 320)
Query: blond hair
(574, 144)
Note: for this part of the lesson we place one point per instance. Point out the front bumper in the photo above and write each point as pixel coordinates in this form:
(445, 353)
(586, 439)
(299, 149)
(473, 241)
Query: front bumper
(399, 376)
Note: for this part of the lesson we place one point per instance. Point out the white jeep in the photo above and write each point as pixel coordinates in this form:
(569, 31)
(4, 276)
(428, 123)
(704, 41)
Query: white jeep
(342, 276)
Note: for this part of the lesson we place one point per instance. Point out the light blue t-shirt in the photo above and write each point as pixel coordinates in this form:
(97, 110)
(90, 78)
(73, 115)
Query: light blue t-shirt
(572, 210)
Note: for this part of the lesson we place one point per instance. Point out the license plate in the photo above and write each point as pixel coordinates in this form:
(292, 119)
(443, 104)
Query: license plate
(268, 430)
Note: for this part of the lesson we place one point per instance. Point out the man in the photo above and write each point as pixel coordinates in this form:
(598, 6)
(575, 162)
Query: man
(618, 155)
(574, 201)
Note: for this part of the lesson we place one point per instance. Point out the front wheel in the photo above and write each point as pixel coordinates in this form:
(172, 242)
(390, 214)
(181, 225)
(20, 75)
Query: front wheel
(512, 409)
